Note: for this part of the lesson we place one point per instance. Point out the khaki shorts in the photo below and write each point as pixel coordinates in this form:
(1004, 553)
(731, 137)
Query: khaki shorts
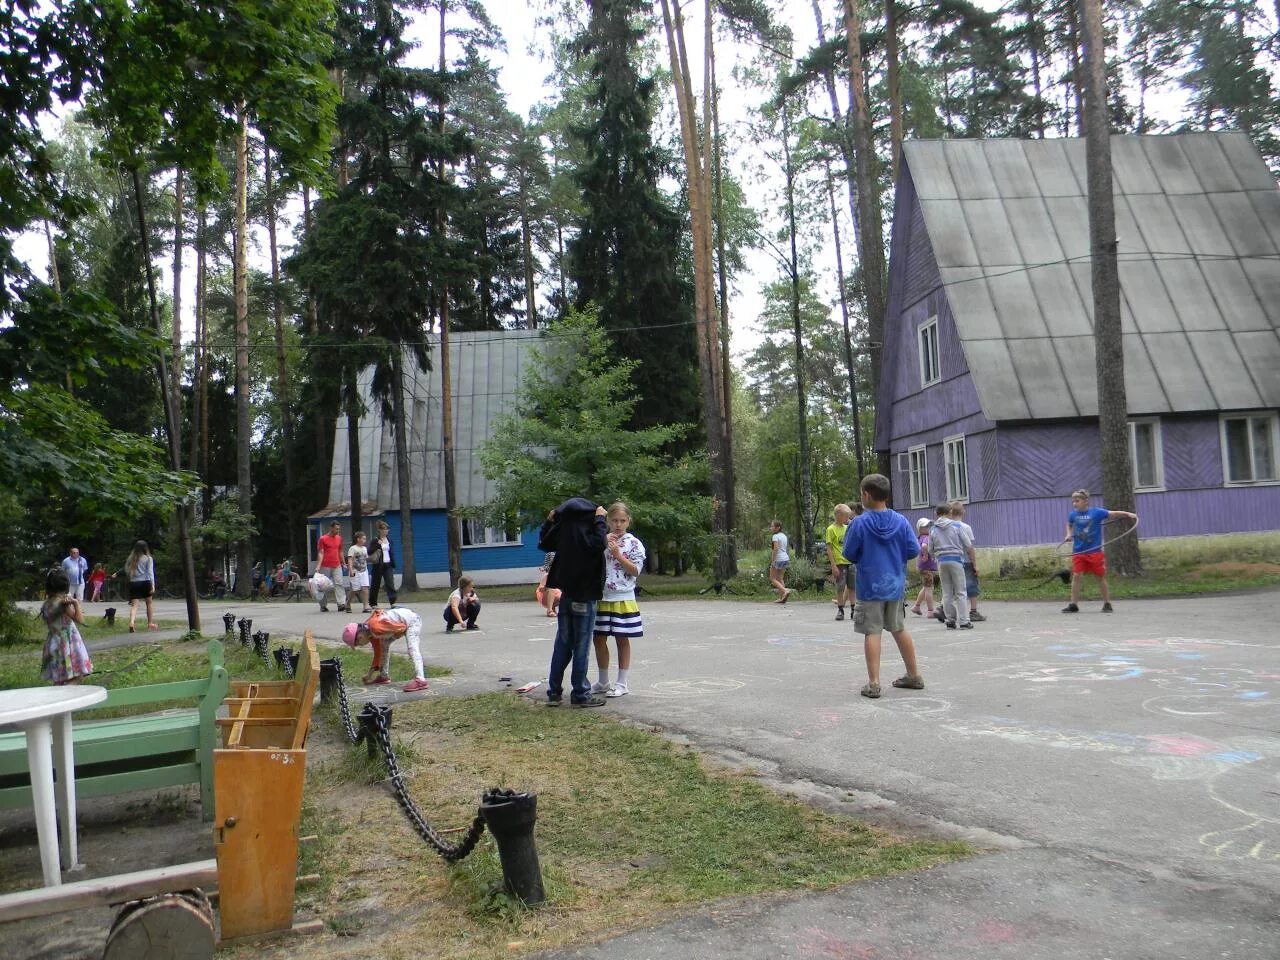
(844, 576)
(877, 616)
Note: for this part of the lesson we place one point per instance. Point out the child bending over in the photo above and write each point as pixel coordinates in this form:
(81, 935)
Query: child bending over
(380, 631)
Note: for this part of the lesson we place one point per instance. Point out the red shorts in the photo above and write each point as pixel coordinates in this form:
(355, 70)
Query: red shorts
(1095, 563)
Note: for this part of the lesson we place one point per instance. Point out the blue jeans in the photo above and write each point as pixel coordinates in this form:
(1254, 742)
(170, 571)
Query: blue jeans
(574, 625)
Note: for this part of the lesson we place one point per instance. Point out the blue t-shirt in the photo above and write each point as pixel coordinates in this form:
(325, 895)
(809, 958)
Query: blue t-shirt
(880, 542)
(1086, 529)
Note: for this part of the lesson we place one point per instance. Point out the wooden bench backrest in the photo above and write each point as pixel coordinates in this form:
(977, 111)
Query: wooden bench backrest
(274, 713)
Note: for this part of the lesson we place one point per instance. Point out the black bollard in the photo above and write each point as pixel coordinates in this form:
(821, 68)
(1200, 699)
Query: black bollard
(510, 817)
(369, 719)
(229, 621)
(328, 679)
(285, 655)
(245, 626)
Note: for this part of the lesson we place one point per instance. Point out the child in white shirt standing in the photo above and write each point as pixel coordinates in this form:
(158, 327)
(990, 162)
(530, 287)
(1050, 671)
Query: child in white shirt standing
(617, 613)
(358, 570)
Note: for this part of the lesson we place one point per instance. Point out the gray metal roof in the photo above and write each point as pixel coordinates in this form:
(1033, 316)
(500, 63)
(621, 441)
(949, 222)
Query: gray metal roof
(1198, 223)
(487, 369)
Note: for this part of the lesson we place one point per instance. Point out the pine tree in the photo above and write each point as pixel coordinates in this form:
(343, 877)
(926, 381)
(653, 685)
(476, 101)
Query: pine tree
(625, 256)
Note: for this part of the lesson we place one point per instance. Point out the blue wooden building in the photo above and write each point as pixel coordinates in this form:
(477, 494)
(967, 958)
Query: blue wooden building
(487, 368)
(988, 392)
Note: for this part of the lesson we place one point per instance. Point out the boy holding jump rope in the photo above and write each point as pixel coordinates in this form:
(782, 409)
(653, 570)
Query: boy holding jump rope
(1084, 530)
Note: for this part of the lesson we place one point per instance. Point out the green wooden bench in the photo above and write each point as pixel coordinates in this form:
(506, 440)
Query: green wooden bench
(139, 752)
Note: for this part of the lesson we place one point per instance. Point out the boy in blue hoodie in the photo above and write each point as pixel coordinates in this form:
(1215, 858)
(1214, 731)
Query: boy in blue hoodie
(879, 543)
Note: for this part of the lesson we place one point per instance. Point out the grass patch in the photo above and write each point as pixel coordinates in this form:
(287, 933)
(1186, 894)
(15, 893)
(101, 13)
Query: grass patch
(632, 829)
(137, 664)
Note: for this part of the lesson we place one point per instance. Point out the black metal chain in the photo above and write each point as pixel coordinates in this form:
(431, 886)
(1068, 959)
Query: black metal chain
(449, 851)
(344, 707)
(379, 719)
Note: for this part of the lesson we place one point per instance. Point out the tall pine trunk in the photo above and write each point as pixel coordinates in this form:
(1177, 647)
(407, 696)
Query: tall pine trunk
(170, 416)
(197, 358)
(244, 478)
(1113, 406)
(892, 71)
(870, 229)
(175, 377)
(706, 314)
(453, 531)
(404, 480)
(282, 372)
(850, 366)
(802, 396)
(726, 364)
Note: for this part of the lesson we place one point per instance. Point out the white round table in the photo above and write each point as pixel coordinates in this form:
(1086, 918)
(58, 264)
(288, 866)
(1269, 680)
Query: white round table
(44, 715)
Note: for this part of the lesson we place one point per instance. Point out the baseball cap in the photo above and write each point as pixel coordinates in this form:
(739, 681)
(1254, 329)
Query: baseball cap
(349, 634)
(922, 523)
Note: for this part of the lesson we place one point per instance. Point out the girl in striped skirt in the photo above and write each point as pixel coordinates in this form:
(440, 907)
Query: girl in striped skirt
(618, 614)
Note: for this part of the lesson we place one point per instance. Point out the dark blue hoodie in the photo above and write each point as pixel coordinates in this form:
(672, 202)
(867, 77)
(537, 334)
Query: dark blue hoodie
(879, 543)
(578, 538)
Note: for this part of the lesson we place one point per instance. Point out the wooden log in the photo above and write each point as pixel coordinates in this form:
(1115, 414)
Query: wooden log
(173, 926)
(107, 891)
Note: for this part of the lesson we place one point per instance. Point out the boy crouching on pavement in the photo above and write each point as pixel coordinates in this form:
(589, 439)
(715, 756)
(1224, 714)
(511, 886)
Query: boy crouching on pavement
(879, 543)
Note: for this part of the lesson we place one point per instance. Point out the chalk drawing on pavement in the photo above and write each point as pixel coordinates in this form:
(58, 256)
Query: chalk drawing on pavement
(688, 687)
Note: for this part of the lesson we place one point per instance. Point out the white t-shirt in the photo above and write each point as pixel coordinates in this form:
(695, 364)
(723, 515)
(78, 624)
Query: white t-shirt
(782, 556)
(358, 558)
(457, 595)
(618, 584)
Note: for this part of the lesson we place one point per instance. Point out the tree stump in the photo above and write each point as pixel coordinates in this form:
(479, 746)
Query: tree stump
(173, 926)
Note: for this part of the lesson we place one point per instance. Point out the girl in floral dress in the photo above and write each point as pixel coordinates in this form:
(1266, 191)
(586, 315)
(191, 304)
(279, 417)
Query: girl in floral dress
(66, 658)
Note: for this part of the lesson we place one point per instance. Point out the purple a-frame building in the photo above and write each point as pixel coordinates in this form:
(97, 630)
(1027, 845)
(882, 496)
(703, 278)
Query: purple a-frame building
(989, 393)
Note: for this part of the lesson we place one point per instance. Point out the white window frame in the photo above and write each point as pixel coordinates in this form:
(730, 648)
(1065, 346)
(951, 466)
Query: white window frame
(928, 353)
(1274, 427)
(949, 446)
(1157, 453)
(492, 536)
(916, 457)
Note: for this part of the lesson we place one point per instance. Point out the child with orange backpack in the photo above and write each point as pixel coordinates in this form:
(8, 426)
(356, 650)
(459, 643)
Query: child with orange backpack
(381, 630)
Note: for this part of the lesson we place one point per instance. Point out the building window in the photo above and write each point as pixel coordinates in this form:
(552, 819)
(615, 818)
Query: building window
(930, 371)
(1146, 455)
(918, 471)
(476, 534)
(1249, 448)
(956, 460)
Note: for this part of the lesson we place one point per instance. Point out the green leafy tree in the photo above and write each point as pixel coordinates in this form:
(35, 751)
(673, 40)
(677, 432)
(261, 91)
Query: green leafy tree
(570, 436)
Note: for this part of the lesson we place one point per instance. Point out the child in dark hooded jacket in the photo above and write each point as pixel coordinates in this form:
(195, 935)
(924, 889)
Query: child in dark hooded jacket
(576, 531)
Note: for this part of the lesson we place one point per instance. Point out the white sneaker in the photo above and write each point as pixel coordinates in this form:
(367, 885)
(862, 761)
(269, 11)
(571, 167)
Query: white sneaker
(598, 688)
(618, 690)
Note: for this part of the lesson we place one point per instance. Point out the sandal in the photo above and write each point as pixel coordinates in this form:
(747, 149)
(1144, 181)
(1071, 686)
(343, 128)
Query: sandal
(871, 691)
(916, 611)
(910, 683)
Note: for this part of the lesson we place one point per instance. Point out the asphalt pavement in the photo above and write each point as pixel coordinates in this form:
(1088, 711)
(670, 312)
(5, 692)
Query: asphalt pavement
(1120, 773)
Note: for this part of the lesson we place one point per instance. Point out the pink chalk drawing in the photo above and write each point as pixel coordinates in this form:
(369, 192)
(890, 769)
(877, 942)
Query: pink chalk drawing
(1181, 746)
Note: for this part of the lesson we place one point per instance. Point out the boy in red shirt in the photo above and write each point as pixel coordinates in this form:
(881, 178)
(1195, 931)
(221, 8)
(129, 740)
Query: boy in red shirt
(329, 550)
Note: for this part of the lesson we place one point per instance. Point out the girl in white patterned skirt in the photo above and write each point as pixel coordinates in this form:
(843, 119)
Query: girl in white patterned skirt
(618, 614)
